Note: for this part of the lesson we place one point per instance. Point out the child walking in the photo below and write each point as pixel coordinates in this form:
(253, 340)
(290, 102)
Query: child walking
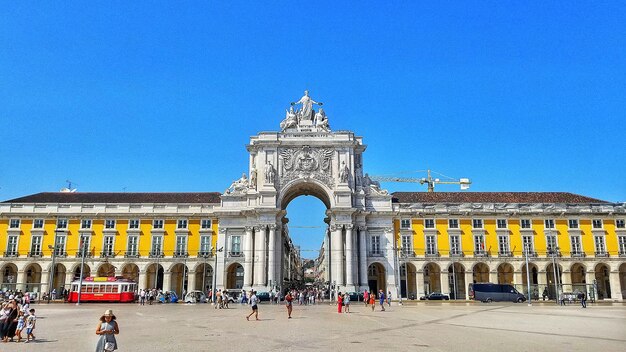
(20, 325)
(30, 325)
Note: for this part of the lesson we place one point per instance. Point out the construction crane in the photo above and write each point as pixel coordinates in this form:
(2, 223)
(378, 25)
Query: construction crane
(430, 181)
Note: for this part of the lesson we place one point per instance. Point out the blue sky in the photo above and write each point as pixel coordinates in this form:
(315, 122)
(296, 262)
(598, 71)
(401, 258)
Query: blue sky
(163, 97)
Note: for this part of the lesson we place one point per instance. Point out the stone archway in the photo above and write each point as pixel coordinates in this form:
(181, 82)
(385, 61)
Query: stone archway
(480, 273)
(58, 281)
(456, 281)
(86, 272)
(505, 273)
(552, 286)
(408, 284)
(106, 270)
(432, 278)
(204, 277)
(534, 280)
(33, 278)
(9, 277)
(578, 275)
(234, 277)
(154, 276)
(376, 277)
(602, 272)
(622, 279)
(131, 272)
(178, 278)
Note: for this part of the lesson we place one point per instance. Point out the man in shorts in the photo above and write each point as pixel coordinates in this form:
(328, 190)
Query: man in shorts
(288, 300)
(30, 325)
(255, 309)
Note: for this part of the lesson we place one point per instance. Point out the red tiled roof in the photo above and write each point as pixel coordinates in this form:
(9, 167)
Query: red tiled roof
(492, 197)
(98, 198)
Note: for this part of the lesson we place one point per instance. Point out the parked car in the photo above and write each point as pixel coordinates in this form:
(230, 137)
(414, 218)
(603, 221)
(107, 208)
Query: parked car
(263, 296)
(435, 296)
(195, 297)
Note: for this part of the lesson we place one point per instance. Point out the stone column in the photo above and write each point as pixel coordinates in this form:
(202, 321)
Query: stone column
(566, 281)
(271, 263)
(469, 278)
(259, 256)
(518, 280)
(248, 259)
(45, 282)
(279, 258)
(443, 281)
(167, 281)
(363, 256)
(143, 279)
(493, 276)
(349, 258)
(219, 269)
(336, 253)
(191, 281)
(327, 255)
(20, 281)
(390, 267)
(616, 290)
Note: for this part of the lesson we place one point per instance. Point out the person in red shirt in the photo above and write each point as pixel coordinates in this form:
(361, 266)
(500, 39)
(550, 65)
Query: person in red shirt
(339, 302)
(366, 297)
(288, 300)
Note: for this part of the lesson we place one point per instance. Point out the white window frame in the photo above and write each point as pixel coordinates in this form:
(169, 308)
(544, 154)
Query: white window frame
(108, 249)
(504, 245)
(479, 222)
(85, 224)
(599, 243)
(454, 222)
(549, 237)
(38, 223)
(499, 223)
(407, 244)
(62, 224)
(620, 223)
(576, 246)
(15, 223)
(594, 222)
(204, 223)
(549, 224)
(375, 248)
(86, 243)
(158, 224)
(154, 249)
(405, 224)
(61, 239)
(12, 246)
(33, 242)
(235, 245)
(431, 245)
(621, 245)
(479, 244)
(205, 245)
(110, 224)
(180, 248)
(430, 224)
(571, 222)
(134, 224)
(129, 250)
(531, 244)
(526, 223)
(182, 224)
(455, 248)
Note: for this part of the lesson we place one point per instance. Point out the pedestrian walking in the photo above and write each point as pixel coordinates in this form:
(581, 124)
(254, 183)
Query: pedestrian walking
(583, 299)
(21, 321)
(346, 303)
(30, 325)
(339, 302)
(255, 309)
(107, 329)
(366, 297)
(8, 320)
(142, 297)
(545, 293)
(372, 301)
(288, 300)
(381, 298)
(389, 298)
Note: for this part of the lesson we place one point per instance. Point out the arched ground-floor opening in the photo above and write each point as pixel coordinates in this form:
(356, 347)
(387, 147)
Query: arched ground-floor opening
(534, 280)
(234, 277)
(550, 279)
(154, 276)
(106, 270)
(505, 273)
(456, 281)
(9, 276)
(408, 283)
(578, 275)
(622, 279)
(432, 278)
(602, 281)
(480, 273)
(86, 271)
(178, 277)
(130, 272)
(204, 277)
(33, 278)
(376, 277)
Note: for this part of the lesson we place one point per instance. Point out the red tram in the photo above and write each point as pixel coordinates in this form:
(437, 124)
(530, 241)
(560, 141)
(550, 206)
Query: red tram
(104, 289)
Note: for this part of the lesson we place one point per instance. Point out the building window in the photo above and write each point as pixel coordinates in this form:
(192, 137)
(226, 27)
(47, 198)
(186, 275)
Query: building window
(479, 244)
(375, 245)
(429, 223)
(132, 247)
(620, 224)
(526, 223)
(503, 245)
(38, 224)
(453, 223)
(573, 223)
(35, 246)
(501, 223)
(108, 249)
(61, 224)
(84, 245)
(407, 248)
(205, 245)
(549, 223)
(431, 245)
(157, 224)
(181, 246)
(621, 241)
(205, 224)
(12, 246)
(551, 243)
(405, 223)
(600, 244)
(133, 224)
(527, 245)
(181, 224)
(235, 245)
(109, 224)
(576, 245)
(477, 223)
(596, 223)
(14, 223)
(156, 249)
(455, 245)
(60, 246)
(85, 224)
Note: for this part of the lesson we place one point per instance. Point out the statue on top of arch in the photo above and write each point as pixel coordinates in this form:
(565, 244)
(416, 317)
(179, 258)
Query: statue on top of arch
(305, 119)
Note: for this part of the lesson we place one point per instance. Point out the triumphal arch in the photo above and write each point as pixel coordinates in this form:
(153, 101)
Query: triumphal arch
(306, 157)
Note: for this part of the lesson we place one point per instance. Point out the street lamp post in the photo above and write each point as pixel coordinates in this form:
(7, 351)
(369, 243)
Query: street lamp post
(215, 274)
(527, 275)
(397, 263)
(82, 266)
(51, 274)
(553, 253)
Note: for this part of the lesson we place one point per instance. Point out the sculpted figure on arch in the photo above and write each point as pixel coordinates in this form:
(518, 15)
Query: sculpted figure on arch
(269, 173)
(307, 106)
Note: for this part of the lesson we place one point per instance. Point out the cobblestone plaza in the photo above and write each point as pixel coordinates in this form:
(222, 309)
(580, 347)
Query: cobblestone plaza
(412, 327)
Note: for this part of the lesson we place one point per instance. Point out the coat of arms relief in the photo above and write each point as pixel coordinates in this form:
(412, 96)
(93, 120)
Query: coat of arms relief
(307, 162)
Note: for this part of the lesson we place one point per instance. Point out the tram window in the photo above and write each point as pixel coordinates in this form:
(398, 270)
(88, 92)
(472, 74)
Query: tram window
(96, 288)
(84, 288)
(124, 288)
(89, 288)
(74, 288)
(108, 288)
(115, 288)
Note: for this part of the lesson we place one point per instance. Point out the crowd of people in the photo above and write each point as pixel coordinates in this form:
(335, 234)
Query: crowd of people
(15, 317)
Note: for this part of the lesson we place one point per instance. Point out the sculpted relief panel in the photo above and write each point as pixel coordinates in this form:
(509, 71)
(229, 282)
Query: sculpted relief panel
(306, 162)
